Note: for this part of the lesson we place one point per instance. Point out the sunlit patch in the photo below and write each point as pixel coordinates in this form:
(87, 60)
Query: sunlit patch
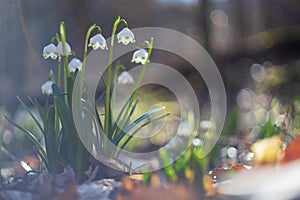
(25, 166)
(261, 116)
(184, 129)
(248, 120)
(245, 99)
(257, 72)
(232, 152)
(7, 136)
(219, 18)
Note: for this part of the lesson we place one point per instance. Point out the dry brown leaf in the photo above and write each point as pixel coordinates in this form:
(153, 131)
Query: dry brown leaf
(208, 186)
(70, 193)
(292, 151)
(127, 184)
(223, 173)
(175, 192)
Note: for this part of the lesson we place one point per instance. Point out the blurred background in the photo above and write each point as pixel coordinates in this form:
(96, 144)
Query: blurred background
(255, 44)
(236, 33)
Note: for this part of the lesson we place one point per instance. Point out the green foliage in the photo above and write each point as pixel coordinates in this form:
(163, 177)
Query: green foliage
(189, 167)
(230, 128)
(268, 130)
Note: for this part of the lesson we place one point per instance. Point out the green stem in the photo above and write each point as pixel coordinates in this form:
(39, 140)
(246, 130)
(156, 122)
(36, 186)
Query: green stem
(132, 98)
(56, 122)
(63, 37)
(66, 73)
(108, 85)
(150, 45)
(87, 36)
(59, 73)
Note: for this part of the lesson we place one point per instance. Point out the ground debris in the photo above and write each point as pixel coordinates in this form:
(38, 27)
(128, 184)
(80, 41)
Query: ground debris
(132, 190)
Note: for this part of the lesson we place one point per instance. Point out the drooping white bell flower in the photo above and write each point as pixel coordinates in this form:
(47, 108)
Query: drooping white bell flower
(125, 78)
(98, 41)
(125, 36)
(197, 142)
(50, 51)
(59, 49)
(74, 64)
(47, 88)
(205, 125)
(140, 56)
(279, 122)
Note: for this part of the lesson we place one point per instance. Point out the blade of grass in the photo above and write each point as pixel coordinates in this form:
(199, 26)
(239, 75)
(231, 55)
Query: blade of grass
(142, 126)
(133, 124)
(31, 114)
(116, 130)
(32, 138)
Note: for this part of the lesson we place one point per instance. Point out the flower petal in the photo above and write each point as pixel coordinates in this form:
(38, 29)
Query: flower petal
(98, 41)
(47, 88)
(59, 49)
(74, 64)
(125, 78)
(50, 51)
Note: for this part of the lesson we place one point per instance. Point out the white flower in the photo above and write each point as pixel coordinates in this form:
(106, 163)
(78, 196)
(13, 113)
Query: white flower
(140, 56)
(205, 125)
(125, 78)
(232, 152)
(98, 41)
(280, 120)
(125, 36)
(74, 64)
(197, 142)
(184, 129)
(47, 88)
(59, 49)
(50, 51)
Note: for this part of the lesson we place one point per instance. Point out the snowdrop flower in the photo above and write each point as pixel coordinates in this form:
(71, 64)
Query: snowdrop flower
(50, 51)
(125, 36)
(125, 78)
(232, 152)
(47, 88)
(59, 49)
(140, 56)
(74, 64)
(184, 129)
(98, 41)
(197, 142)
(280, 120)
(205, 125)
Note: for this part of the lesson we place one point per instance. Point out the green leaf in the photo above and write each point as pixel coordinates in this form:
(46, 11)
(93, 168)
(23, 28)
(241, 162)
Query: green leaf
(50, 143)
(31, 114)
(142, 126)
(70, 90)
(115, 129)
(41, 110)
(32, 138)
(138, 121)
(268, 130)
